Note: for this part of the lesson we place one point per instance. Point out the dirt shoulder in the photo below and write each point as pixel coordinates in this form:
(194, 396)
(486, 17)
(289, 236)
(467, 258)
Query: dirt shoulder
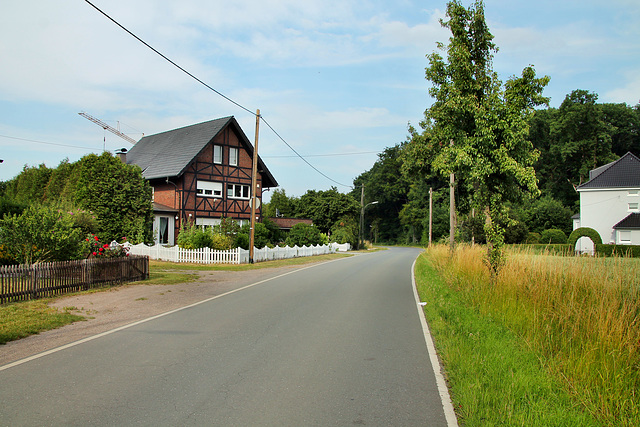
(126, 304)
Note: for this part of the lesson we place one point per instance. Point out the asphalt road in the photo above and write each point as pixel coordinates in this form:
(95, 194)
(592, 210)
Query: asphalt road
(335, 344)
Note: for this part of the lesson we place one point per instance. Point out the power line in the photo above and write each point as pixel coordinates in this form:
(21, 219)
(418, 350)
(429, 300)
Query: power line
(325, 155)
(212, 89)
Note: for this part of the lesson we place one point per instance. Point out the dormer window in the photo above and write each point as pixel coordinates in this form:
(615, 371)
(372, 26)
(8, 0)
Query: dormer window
(633, 207)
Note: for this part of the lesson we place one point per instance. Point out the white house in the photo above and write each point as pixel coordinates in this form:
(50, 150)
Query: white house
(610, 203)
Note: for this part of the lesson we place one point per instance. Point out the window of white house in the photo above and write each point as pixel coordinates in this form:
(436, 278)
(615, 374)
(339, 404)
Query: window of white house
(238, 191)
(233, 156)
(633, 207)
(634, 193)
(625, 236)
(209, 189)
(217, 154)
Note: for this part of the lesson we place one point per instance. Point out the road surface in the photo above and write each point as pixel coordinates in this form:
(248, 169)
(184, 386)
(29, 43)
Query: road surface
(334, 344)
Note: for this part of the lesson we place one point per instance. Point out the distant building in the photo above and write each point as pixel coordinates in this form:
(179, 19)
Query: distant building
(610, 203)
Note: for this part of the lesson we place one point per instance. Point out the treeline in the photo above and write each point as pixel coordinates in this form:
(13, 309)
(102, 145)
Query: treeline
(98, 196)
(580, 135)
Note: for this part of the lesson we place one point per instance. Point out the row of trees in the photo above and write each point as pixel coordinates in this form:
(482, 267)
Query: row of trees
(49, 213)
(333, 213)
(515, 167)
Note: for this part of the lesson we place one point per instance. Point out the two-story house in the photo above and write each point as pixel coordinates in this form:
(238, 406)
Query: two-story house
(610, 203)
(199, 173)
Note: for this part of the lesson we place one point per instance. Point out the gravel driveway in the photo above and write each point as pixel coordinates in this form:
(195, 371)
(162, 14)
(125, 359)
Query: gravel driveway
(125, 304)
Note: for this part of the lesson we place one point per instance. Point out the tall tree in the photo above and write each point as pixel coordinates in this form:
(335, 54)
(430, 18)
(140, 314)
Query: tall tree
(480, 129)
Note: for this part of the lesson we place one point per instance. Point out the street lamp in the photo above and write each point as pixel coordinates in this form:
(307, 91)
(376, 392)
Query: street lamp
(361, 239)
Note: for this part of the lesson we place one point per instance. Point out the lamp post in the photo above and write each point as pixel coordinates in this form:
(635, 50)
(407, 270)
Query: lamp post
(363, 207)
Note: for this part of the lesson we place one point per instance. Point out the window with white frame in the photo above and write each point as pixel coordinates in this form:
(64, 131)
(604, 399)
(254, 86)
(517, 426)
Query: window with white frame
(634, 193)
(209, 189)
(238, 191)
(233, 156)
(634, 207)
(217, 154)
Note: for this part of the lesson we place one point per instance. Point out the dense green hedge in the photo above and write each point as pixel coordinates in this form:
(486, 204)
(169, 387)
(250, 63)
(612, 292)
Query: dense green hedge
(618, 250)
(553, 249)
(584, 232)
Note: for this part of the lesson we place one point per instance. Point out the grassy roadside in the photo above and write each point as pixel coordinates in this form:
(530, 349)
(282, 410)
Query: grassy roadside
(494, 378)
(21, 319)
(553, 341)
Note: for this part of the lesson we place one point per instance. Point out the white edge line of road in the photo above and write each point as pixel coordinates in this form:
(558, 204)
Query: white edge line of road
(148, 319)
(443, 390)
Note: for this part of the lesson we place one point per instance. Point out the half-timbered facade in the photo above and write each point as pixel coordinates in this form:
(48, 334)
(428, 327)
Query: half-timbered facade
(201, 174)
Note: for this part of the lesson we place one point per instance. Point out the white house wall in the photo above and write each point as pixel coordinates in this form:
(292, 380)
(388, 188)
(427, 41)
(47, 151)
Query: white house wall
(601, 209)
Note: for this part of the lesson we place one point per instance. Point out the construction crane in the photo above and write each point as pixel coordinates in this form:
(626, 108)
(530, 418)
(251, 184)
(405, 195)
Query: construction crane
(105, 126)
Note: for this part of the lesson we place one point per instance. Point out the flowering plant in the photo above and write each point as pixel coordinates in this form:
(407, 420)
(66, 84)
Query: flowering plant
(105, 250)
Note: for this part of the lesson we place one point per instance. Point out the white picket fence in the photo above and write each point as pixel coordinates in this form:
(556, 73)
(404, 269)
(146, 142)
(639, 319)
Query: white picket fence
(232, 256)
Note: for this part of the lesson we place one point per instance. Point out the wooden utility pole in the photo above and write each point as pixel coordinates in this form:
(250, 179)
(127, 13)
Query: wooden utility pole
(360, 237)
(452, 209)
(254, 183)
(430, 214)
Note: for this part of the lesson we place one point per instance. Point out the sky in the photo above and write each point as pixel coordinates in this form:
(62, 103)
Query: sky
(339, 81)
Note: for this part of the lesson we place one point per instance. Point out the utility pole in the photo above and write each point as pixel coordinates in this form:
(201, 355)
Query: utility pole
(254, 183)
(361, 216)
(430, 214)
(452, 209)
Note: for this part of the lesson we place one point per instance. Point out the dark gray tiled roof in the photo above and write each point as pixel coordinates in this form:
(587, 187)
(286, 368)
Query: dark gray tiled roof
(631, 221)
(168, 154)
(623, 173)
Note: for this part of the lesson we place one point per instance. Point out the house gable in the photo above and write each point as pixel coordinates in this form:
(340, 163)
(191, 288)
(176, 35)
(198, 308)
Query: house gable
(623, 173)
(202, 171)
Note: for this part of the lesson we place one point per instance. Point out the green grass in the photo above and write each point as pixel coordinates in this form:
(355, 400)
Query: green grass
(494, 377)
(570, 325)
(21, 319)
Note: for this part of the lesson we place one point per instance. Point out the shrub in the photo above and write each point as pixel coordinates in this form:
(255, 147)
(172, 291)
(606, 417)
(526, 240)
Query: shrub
(304, 235)
(553, 236)
(221, 242)
(584, 232)
(533, 238)
(193, 237)
(632, 251)
(39, 234)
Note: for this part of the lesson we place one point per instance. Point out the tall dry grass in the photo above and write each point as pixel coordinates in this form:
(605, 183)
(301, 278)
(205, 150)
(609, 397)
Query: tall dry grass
(581, 316)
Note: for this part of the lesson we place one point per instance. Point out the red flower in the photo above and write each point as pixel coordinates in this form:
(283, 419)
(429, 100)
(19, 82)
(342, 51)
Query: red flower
(87, 239)
(96, 237)
(101, 249)
(106, 245)
(94, 254)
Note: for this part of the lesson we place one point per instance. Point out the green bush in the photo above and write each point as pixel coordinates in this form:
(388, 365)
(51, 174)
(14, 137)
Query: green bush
(584, 232)
(631, 251)
(552, 249)
(194, 237)
(40, 234)
(221, 242)
(533, 238)
(553, 236)
(304, 235)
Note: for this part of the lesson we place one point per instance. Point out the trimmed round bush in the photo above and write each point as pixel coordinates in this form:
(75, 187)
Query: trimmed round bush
(584, 232)
(553, 236)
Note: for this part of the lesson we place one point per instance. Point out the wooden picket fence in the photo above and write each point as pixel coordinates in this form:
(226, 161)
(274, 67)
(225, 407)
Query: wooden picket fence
(25, 282)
